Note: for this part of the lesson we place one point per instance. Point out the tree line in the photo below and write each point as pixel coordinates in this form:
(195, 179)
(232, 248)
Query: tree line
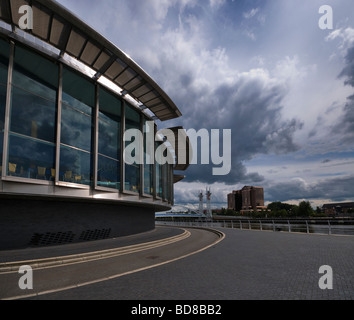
(279, 209)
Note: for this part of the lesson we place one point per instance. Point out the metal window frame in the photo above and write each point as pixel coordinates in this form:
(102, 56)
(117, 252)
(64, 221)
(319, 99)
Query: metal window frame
(7, 110)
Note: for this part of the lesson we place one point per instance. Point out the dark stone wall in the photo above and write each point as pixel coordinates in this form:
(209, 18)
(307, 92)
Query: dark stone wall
(34, 222)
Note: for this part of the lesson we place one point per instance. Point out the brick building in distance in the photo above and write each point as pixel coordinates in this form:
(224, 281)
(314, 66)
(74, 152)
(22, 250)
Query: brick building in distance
(247, 199)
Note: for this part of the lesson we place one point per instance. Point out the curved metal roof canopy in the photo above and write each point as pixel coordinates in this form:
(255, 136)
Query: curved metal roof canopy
(57, 26)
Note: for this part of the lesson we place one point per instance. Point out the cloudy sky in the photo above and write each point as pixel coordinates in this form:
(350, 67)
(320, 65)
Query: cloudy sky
(262, 68)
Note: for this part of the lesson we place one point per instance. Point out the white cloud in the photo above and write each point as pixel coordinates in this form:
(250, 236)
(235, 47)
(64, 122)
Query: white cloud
(250, 14)
(346, 35)
(216, 3)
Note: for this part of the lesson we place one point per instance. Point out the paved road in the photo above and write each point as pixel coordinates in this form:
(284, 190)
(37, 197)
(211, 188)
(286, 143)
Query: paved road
(245, 265)
(78, 270)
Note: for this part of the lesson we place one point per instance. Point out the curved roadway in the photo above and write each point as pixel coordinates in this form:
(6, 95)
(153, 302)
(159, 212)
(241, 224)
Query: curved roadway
(61, 273)
(246, 265)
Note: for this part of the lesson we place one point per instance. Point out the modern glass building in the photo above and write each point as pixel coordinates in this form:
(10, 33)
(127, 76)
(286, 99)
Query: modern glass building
(67, 96)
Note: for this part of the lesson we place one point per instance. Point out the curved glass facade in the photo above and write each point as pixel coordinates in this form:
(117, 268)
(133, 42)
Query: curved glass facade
(65, 129)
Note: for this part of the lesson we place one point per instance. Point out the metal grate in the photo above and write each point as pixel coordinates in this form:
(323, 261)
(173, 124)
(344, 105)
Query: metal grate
(55, 238)
(51, 238)
(96, 234)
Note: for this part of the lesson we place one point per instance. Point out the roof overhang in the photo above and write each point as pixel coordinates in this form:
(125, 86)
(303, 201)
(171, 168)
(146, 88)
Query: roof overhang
(58, 27)
(177, 178)
(178, 138)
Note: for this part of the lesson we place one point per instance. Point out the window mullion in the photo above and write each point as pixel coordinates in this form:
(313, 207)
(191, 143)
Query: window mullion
(7, 110)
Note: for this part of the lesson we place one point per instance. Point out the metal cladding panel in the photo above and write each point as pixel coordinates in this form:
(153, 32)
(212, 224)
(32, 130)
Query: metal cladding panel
(142, 90)
(157, 108)
(90, 53)
(135, 82)
(56, 31)
(101, 60)
(41, 22)
(115, 69)
(162, 113)
(15, 6)
(177, 178)
(183, 151)
(75, 44)
(5, 11)
(125, 77)
(149, 96)
(153, 102)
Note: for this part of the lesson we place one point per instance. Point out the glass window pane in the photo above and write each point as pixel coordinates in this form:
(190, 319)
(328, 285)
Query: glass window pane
(109, 136)
(109, 125)
(158, 173)
(164, 181)
(132, 177)
(75, 166)
(108, 174)
(148, 168)
(78, 101)
(29, 158)
(76, 128)
(2, 120)
(2, 105)
(77, 108)
(76, 88)
(33, 98)
(132, 172)
(4, 61)
(148, 174)
(34, 66)
(1, 148)
(33, 115)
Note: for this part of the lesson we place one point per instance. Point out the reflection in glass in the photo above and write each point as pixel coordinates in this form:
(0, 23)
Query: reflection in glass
(78, 101)
(33, 116)
(109, 149)
(31, 158)
(108, 174)
(75, 166)
(132, 171)
(168, 195)
(148, 168)
(164, 180)
(158, 172)
(76, 128)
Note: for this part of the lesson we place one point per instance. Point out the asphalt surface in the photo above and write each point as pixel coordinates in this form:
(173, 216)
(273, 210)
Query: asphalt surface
(65, 273)
(77, 248)
(246, 265)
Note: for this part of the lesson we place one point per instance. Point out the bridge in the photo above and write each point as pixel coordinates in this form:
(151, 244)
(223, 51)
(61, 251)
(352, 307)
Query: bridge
(180, 212)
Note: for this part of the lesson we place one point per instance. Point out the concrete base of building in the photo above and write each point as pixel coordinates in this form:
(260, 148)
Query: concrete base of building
(32, 222)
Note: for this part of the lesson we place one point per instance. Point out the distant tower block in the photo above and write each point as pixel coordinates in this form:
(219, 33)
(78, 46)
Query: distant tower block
(201, 202)
(208, 194)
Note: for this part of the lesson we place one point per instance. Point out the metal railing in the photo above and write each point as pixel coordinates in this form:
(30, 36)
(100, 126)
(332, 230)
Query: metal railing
(329, 227)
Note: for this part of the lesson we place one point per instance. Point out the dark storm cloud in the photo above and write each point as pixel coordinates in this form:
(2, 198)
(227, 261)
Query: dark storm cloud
(345, 125)
(251, 107)
(348, 71)
(334, 189)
